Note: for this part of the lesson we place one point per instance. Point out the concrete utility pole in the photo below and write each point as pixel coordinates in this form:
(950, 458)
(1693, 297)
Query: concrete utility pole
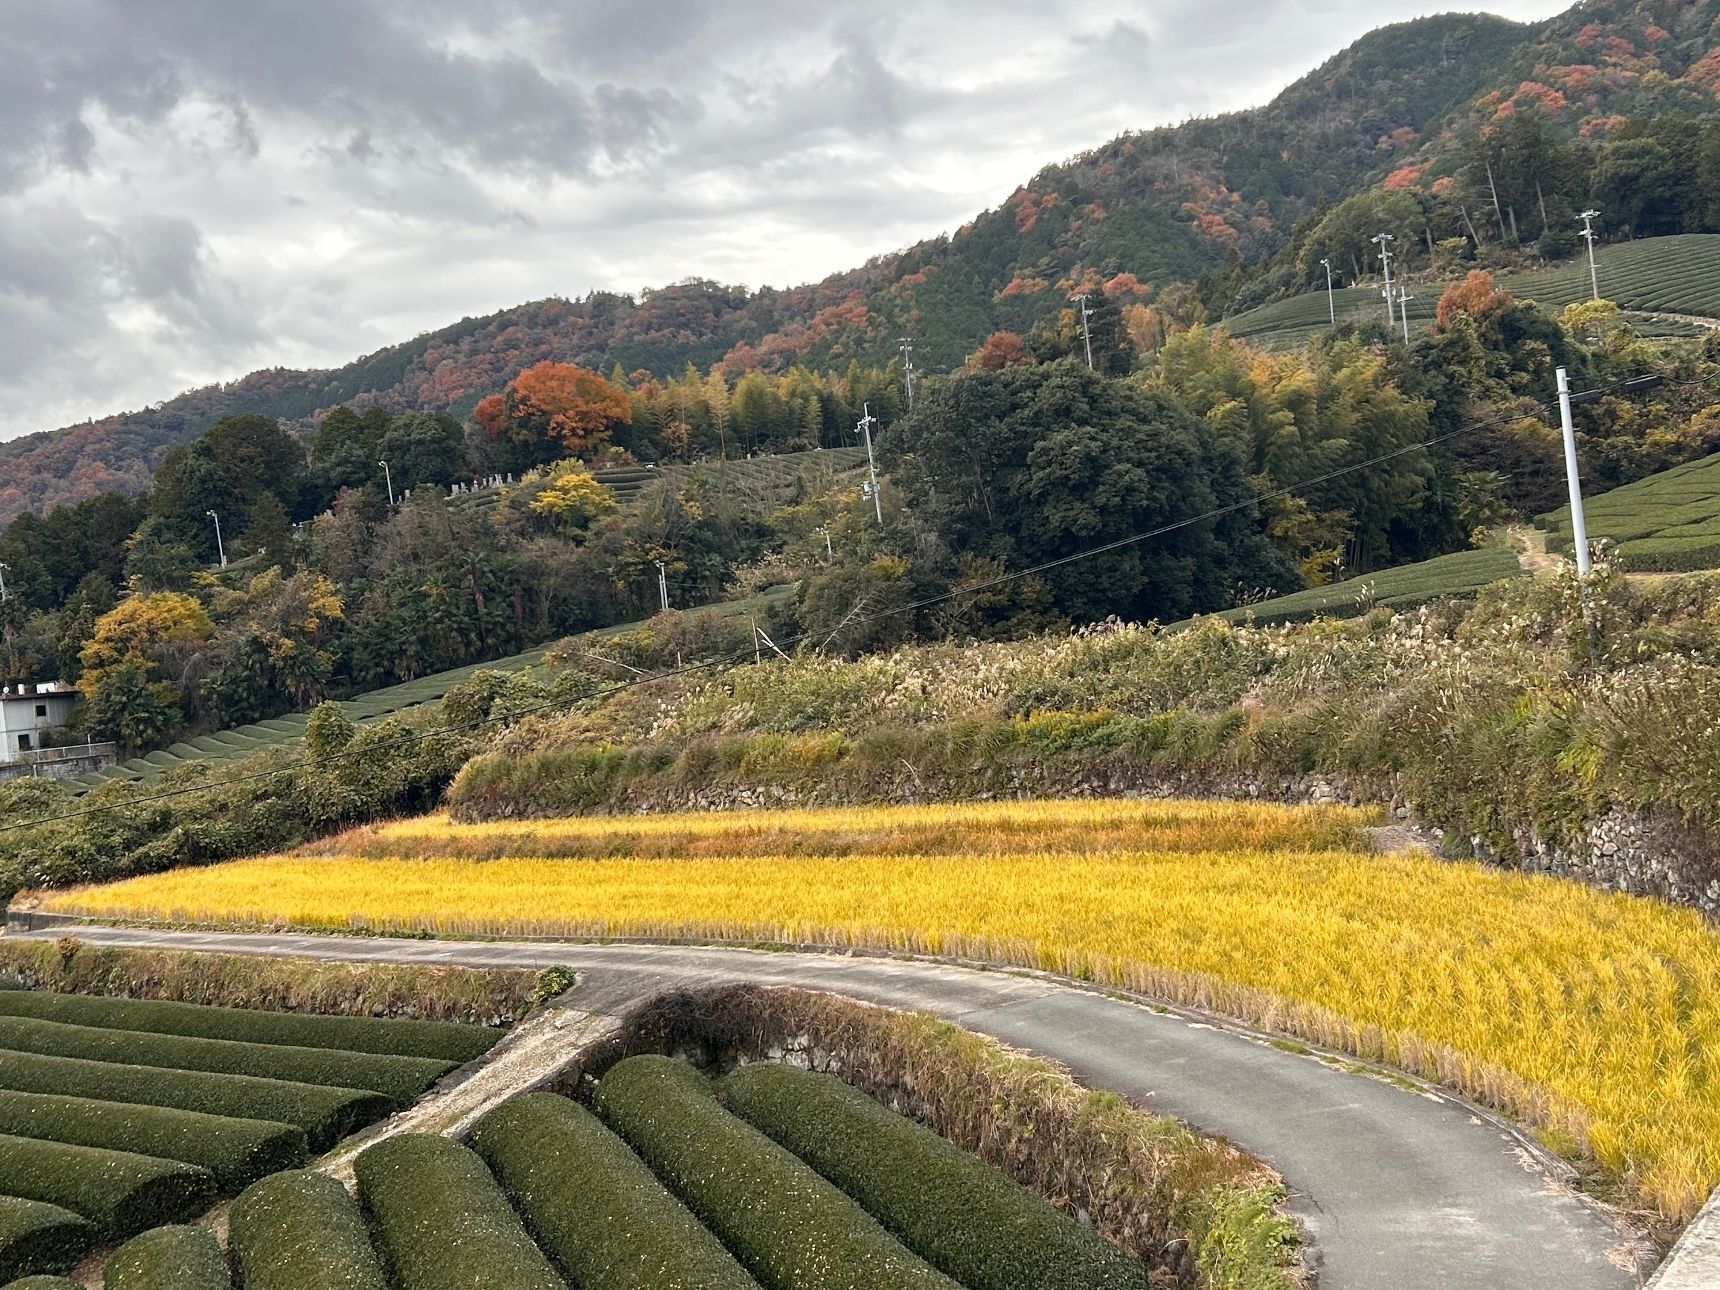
(1331, 300)
(908, 369)
(388, 475)
(867, 421)
(1404, 298)
(1384, 241)
(220, 547)
(1579, 527)
(1086, 330)
(1588, 219)
(663, 584)
(3, 568)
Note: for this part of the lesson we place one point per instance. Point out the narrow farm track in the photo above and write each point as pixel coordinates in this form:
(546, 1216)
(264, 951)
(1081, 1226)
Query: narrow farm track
(1398, 1186)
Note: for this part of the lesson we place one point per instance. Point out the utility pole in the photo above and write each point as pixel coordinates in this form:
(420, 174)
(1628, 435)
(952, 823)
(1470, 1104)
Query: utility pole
(220, 547)
(1331, 300)
(3, 568)
(908, 368)
(1579, 527)
(829, 547)
(867, 421)
(1588, 219)
(1383, 241)
(1086, 330)
(389, 476)
(1404, 298)
(663, 584)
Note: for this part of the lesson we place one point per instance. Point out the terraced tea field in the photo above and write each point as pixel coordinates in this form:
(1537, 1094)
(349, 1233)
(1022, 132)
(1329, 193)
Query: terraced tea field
(1587, 1014)
(1667, 523)
(120, 1115)
(1664, 275)
(1407, 586)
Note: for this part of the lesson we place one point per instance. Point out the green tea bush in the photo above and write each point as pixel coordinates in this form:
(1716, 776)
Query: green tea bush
(236, 1152)
(792, 1229)
(42, 1283)
(325, 1113)
(302, 1231)
(38, 1237)
(443, 1220)
(444, 1041)
(168, 1258)
(959, 1214)
(401, 1078)
(593, 1204)
(120, 1192)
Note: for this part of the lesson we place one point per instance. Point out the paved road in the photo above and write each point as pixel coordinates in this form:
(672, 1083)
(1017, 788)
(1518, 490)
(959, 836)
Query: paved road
(1400, 1190)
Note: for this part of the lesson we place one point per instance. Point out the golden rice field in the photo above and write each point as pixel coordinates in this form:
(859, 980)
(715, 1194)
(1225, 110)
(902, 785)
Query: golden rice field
(1594, 1016)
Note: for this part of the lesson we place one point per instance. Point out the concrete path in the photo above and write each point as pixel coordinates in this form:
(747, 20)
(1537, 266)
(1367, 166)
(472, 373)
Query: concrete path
(1405, 1190)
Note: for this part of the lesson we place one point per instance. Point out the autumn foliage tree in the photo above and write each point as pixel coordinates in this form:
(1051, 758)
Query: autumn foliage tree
(553, 410)
(1001, 349)
(1476, 296)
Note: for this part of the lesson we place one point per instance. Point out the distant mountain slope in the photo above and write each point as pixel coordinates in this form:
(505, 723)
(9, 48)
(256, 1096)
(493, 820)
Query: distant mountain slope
(1140, 213)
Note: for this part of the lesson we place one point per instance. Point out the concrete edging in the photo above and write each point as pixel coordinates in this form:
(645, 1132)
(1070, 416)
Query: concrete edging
(1694, 1263)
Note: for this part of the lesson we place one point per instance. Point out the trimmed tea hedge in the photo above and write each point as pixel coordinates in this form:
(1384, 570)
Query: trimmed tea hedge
(956, 1212)
(594, 1206)
(43, 1282)
(326, 1114)
(118, 1191)
(236, 1151)
(301, 1231)
(792, 1229)
(444, 1222)
(168, 1258)
(442, 1040)
(38, 1237)
(401, 1078)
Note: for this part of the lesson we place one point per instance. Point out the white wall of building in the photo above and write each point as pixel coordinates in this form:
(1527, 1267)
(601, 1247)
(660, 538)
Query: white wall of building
(23, 717)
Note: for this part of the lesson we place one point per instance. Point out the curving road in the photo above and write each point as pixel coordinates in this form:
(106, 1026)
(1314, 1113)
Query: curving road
(1409, 1190)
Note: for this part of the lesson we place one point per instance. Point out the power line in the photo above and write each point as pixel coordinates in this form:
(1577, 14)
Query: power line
(1630, 384)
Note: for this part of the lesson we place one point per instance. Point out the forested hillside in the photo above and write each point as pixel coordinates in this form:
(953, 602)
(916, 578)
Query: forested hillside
(1472, 137)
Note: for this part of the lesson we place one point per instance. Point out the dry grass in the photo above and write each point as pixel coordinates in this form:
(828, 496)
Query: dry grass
(1595, 1016)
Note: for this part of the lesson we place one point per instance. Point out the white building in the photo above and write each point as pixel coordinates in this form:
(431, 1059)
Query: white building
(28, 710)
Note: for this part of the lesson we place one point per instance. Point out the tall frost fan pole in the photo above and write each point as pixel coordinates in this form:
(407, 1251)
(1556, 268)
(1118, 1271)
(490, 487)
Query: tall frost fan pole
(1384, 241)
(1331, 300)
(908, 369)
(1588, 219)
(1579, 527)
(867, 421)
(1086, 331)
(1404, 298)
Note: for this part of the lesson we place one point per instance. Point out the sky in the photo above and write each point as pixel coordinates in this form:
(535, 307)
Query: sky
(194, 189)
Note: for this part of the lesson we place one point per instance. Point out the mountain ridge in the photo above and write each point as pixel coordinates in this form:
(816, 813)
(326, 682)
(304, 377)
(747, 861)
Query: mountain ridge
(1134, 218)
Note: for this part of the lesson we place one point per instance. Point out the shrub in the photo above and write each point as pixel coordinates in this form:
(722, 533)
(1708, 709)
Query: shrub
(301, 1231)
(38, 1237)
(422, 1189)
(235, 1151)
(401, 1078)
(118, 1191)
(168, 1258)
(792, 1230)
(43, 1283)
(433, 1039)
(326, 1114)
(594, 1206)
(488, 996)
(959, 1214)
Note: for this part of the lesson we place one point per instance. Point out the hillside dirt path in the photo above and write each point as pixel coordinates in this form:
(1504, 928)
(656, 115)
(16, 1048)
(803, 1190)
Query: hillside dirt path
(1531, 547)
(1399, 1185)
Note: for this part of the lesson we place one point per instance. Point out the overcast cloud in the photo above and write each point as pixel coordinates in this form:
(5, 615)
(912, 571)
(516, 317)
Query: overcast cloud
(192, 189)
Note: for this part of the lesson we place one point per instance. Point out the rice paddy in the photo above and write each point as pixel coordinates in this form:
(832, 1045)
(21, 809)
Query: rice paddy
(1594, 1016)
